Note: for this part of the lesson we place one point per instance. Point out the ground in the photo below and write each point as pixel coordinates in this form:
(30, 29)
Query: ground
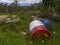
(10, 34)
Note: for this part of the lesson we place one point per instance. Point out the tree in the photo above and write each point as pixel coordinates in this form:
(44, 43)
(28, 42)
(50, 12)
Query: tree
(47, 6)
(16, 1)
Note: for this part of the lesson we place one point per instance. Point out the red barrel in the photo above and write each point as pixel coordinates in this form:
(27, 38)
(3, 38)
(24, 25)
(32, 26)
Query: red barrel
(38, 29)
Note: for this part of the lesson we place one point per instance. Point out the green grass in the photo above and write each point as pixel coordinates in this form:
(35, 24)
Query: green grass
(10, 34)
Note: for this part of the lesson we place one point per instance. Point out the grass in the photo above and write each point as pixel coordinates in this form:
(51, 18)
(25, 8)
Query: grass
(10, 34)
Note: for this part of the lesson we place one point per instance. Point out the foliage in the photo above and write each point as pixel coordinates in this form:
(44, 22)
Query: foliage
(56, 19)
(57, 5)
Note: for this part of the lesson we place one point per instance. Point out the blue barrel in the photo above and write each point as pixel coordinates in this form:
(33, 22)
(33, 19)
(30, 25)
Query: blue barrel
(44, 21)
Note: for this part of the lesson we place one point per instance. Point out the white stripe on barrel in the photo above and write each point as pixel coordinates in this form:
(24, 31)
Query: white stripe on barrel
(34, 24)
